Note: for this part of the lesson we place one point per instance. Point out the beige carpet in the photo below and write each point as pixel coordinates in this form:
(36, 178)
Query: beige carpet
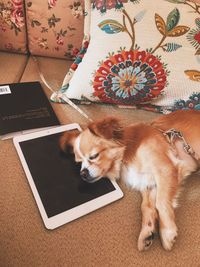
(106, 237)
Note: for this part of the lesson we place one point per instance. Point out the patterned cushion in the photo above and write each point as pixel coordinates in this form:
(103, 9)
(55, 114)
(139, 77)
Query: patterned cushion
(55, 27)
(56, 97)
(12, 26)
(141, 53)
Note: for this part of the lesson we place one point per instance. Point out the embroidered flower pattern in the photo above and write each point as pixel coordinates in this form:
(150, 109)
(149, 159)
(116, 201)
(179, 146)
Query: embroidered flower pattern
(104, 5)
(80, 55)
(194, 36)
(135, 77)
(194, 5)
(192, 103)
(130, 77)
(193, 75)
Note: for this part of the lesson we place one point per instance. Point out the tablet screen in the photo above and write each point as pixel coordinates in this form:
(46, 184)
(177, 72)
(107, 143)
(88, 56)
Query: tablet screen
(56, 176)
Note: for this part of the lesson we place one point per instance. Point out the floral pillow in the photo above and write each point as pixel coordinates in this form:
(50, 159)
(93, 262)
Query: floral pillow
(141, 53)
(12, 26)
(55, 27)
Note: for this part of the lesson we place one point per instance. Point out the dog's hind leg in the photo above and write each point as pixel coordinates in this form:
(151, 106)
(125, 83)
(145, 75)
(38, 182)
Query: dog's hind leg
(149, 219)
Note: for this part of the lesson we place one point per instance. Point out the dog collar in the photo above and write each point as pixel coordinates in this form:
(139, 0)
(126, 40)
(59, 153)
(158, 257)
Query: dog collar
(172, 135)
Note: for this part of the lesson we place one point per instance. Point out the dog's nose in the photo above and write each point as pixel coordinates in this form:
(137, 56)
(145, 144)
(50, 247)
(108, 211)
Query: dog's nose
(84, 173)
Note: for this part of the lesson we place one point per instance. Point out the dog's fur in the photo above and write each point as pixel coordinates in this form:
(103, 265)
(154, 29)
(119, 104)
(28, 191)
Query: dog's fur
(142, 157)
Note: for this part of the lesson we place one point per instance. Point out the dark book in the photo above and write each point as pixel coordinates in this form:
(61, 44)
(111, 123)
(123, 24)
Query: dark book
(24, 107)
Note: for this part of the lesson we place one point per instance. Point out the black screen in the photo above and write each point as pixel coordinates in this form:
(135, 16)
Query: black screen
(56, 176)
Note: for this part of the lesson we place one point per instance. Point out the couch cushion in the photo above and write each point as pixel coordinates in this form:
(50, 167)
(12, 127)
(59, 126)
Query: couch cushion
(141, 52)
(80, 55)
(11, 67)
(55, 28)
(12, 26)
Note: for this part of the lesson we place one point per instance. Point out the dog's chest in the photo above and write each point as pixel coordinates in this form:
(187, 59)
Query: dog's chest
(137, 179)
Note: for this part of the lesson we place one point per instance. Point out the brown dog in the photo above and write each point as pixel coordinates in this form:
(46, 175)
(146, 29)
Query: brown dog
(152, 158)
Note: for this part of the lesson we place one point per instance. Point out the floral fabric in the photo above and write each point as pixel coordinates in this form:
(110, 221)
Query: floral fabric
(55, 27)
(80, 55)
(141, 53)
(12, 26)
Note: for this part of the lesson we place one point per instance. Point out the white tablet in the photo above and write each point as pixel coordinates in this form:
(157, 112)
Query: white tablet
(61, 195)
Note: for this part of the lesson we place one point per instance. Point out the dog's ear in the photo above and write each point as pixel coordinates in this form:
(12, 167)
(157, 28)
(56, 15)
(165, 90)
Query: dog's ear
(66, 141)
(108, 128)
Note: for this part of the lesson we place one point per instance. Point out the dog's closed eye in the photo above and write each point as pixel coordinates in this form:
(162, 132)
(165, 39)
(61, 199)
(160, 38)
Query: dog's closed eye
(94, 156)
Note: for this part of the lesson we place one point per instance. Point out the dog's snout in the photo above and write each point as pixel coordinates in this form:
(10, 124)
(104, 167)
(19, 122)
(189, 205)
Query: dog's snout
(84, 173)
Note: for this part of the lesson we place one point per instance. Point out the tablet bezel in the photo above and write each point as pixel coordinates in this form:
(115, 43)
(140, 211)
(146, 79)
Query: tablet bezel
(76, 212)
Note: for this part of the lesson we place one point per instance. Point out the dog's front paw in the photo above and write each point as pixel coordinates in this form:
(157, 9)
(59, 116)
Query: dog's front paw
(168, 237)
(146, 238)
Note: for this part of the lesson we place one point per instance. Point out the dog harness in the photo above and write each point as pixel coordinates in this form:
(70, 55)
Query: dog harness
(172, 135)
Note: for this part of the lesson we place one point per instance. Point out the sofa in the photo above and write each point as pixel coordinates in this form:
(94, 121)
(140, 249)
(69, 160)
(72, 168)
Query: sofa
(105, 237)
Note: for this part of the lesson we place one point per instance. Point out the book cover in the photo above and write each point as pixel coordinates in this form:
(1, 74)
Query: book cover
(24, 106)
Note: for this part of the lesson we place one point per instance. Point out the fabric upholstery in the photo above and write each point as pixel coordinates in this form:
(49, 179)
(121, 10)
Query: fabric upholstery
(11, 67)
(12, 26)
(55, 28)
(141, 52)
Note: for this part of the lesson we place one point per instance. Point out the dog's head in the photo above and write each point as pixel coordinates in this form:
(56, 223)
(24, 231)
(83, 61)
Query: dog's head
(99, 148)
